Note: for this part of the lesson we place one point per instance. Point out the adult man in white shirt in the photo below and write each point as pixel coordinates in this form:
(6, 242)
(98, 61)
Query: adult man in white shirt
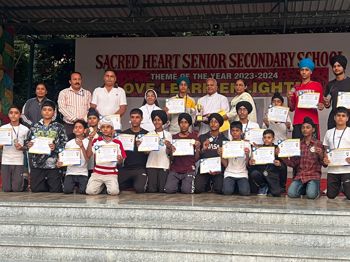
(73, 103)
(212, 102)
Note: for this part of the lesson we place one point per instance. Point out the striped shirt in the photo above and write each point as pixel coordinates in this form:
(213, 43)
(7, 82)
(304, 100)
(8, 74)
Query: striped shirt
(74, 105)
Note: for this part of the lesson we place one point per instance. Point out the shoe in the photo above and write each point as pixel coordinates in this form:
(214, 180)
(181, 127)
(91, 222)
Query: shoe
(263, 191)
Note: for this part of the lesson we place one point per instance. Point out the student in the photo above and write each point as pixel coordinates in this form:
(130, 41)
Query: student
(149, 104)
(236, 172)
(77, 175)
(105, 174)
(210, 143)
(93, 118)
(44, 175)
(243, 109)
(182, 168)
(133, 173)
(308, 165)
(339, 137)
(12, 163)
(267, 177)
(158, 162)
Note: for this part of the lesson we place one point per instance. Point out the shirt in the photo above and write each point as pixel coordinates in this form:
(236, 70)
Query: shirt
(237, 166)
(245, 96)
(74, 105)
(31, 111)
(160, 159)
(79, 170)
(108, 103)
(147, 122)
(280, 129)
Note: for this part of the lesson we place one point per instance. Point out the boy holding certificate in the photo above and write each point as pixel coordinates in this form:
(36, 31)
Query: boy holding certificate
(106, 172)
(308, 165)
(77, 174)
(45, 176)
(210, 143)
(12, 161)
(244, 108)
(236, 172)
(338, 138)
(93, 118)
(182, 169)
(267, 176)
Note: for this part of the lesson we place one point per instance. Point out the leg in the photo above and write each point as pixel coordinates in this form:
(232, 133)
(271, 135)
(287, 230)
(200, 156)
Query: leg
(228, 185)
(295, 189)
(201, 183)
(333, 185)
(68, 185)
(218, 181)
(187, 185)
(346, 184)
(54, 180)
(172, 183)
(140, 180)
(95, 184)
(6, 178)
(313, 189)
(243, 186)
(283, 177)
(38, 180)
(82, 182)
(258, 178)
(162, 178)
(111, 182)
(17, 178)
(273, 182)
(152, 174)
(124, 179)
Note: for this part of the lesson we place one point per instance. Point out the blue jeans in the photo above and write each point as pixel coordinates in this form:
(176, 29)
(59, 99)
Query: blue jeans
(230, 184)
(311, 189)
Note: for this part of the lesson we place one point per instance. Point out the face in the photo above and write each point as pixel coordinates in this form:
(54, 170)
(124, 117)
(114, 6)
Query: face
(214, 124)
(184, 125)
(75, 81)
(242, 112)
(40, 91)
(307, 129)
(268, 139)
(183, 87)
(341, 118)
(93, 121)
(150, 98)
(135, 120)
(305, 73)
(107, 130)
(276, 102)
(239, 87)
(109, 78)
(47, 112)
(337, 69)
(236, 133)
(157, 122)
(211, 87)
(78, 129)
(14, 114)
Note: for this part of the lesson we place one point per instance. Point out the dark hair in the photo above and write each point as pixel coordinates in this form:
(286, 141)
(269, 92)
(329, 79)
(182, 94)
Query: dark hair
(155, 102)
(236, 124)
(269, 131)
(76, 72)
(41, 83)
(342, 109)
(50, 104)
(82, 122)
(110, 70)
(244, 82)
(16, 107)
(136, 111)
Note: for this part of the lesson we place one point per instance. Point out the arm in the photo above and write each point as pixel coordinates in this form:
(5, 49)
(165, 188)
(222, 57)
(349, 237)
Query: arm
(121, 110)
(24, 115)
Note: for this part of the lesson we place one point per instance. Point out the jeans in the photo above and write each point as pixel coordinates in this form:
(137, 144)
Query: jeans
(310, 188)
(230, 184)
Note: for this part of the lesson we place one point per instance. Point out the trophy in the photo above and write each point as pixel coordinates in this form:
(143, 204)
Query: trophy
(199, 117)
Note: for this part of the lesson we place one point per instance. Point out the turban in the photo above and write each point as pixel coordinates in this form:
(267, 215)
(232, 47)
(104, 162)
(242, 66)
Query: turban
(277, 95)
(161, 114)
(106, 121)
(218, 118)
(183, 78)
(185, 116)
(245, 104)
(93, 112)
(308, 63)
(308, 120)
(340, 59)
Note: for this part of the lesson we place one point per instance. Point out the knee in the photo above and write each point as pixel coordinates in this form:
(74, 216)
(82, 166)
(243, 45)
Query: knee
(113, 191)
(67, 190)
(331, 195)
(292, 193)
(244, 192)
(91, 191)
(312, 195)
(227, 190)
(170, 190)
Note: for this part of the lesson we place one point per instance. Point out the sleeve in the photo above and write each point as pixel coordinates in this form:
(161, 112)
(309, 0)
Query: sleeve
(61, 139)
(24, 115)
(326, 139)
(62, 107)
(320, 89)
(123, 97)
(224, 104)
(94, 97)
(122, 151)
(249, 98)
(328, 89)
(89, 98)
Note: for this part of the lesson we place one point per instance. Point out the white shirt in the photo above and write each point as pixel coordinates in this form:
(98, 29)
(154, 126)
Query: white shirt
(146, 118)
(108, 103)
(237, 166)
(80, 170)
(280, 129)
(343, 141)
(10, 155)
(159, 159)
(245, 96)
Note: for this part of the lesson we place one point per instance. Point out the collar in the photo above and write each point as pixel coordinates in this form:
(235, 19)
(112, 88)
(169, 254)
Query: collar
(42, 101)
(212, 94)
(312, 141)
(81, 90)
(41, 121)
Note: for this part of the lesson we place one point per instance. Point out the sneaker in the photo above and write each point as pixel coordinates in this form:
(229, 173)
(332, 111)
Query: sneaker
(263, 191)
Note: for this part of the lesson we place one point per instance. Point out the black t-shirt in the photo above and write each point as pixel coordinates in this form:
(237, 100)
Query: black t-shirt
(135, 159)
(334, 87)
(215, 143)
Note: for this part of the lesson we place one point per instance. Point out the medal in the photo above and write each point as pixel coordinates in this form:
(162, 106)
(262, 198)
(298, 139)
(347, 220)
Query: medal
(211, 139)
(15, 141)
(312, 149)
(265, 173)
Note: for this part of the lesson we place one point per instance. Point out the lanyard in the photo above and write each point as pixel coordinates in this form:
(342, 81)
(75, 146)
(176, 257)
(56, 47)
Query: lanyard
(339, 138)
(16, 133)
(246, 127)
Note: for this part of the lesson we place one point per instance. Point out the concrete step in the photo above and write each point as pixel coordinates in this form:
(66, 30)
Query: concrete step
(122, 250)
(188, 232)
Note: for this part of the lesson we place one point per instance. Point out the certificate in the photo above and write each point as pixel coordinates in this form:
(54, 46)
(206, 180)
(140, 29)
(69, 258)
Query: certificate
(107, 153)
(278, 114)
(231, 149)
(128, 141)
(208, 165)
(115, 120)
(308, 99)
(343, 99)
(337, 157)
(70, 157)
(289, 147)
(149, 142)
(41, 146)
(184, 147)
(6, 136)
(175, 105)
(255, 135)
(264, 155)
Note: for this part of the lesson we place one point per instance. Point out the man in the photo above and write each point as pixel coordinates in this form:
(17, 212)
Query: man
(73, 103)
(212, 102)
(341, 83)
(31, 111)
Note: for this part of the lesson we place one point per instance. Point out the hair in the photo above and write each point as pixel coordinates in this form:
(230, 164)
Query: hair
(211, 79)
(236, 124)
(244, 82)
(16, 107)
(145, 101)
(82, 122)
(50, 104)
(136, 111)
(269, 131)
(342, 109)
(41, 83)
(75, 72)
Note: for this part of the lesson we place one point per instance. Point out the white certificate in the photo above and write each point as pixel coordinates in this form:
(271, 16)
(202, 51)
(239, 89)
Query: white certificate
(6, 136)
(149, 142)
(184, 147)
(128, 141)
(175, 105)
(278, 114)
(41, 146)
(343, 99)
(264, 155)
(289, 148)
(231, 149)
(70, 157)
(254, 135)
(208, 165)
(107, 153)
(115, 120)
(337, 157)
(308, 99)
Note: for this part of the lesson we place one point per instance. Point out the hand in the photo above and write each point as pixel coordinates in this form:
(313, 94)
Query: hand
(197, 145)
(347, 159)
(266, 121)
(18, 146)
(277, 150)
(30, 144)
(119, 159)
(277, 163)
(173, 149)
(59, 164)
(246, 151)
(92, 135)
(320, 106)
(165, 109)
(327, 101)
(290, 94)
(251, 162)
(206, 144)
(167, 144)
(52, 147)
(138, 143)
(288, 125)
(327, 161)
(319, 151)
(79, 142)
(219, 151)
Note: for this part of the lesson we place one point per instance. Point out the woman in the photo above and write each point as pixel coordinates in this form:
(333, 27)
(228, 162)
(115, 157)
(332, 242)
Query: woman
(149, 104)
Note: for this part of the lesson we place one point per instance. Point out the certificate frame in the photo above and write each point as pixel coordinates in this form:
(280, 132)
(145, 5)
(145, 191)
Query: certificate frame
(41, 141)
(8, 134)
(343, 97)
(227, 151)
(212, 164)
(179, 108)
(255, 139)
(127, 140)
(150, 145)
(278, 117)
(72, 150)
(288, 143)
(116, 120)
(108, 159)
(190, 147)
(267, 152)
(341, 151)
(302, 103)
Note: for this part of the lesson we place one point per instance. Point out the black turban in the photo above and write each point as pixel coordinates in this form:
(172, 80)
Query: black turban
(218, 118)
(185, 116)
(161, 114)
(93, 112)
(277, 95)
(308, 120)
(245, 104)
(340, 59)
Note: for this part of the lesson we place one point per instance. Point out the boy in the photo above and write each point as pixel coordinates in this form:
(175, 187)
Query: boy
(106, 173)
(338, 137)
(158, 161)
(210, 142)
(267, 177)
(243, 109)
(93, 118)
(12, 163)
(308, 165)
(236, 172)
(45, 176)
(77, 175)
(182, 169)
